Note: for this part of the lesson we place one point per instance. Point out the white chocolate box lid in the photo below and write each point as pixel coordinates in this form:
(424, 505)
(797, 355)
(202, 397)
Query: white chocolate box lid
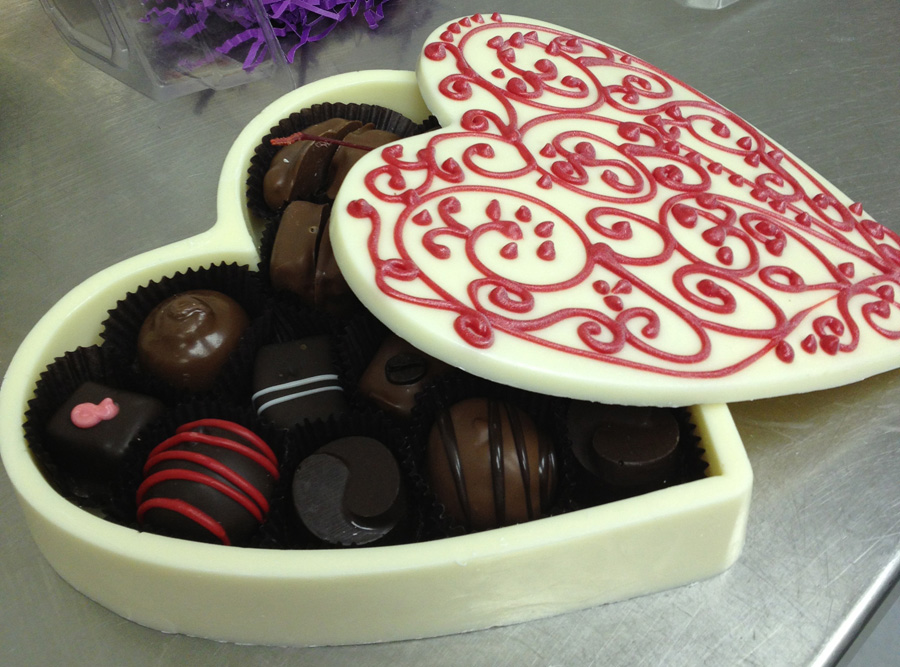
(588, 226)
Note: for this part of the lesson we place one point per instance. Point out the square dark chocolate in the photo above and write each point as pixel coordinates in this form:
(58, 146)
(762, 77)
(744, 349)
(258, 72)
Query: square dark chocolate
(88, 456)
(297, 381)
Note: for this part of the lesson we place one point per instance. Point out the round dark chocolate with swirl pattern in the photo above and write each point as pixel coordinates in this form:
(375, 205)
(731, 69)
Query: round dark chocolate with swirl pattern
(489, 465)
(350, 493)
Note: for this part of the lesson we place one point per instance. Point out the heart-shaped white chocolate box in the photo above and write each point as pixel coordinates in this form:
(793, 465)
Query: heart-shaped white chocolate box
(734, 239)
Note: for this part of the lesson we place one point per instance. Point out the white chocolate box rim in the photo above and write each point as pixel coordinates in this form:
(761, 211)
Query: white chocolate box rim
(611, 552)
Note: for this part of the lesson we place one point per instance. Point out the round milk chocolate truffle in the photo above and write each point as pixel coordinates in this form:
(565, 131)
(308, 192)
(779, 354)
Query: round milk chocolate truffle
(210, 482)
(489, 466)
(350, 493)
(187, 338)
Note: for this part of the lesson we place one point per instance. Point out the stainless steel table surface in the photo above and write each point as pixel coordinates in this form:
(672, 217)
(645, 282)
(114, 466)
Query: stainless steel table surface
(92, 172)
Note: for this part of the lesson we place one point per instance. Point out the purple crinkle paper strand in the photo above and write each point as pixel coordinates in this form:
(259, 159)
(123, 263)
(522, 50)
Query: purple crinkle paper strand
(294, 23)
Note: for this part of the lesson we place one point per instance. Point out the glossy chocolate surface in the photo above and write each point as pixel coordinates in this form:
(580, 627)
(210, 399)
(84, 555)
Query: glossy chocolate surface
(210, 483)
(292, 265)
(489, 466)
(397, 373)
(297, 381)
(89, 456)
(623, 447)
(350, 492)
(299, 169)
(187, 338)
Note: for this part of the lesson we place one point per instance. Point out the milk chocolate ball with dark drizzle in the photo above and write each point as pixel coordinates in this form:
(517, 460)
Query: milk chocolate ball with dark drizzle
(187, 338)
(489, 466)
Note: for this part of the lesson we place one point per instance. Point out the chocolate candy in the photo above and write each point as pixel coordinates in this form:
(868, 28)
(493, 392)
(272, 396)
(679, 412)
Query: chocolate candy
(398, 372)
(299, 169)
(623, 448)
(297, 381)
(187, 338)
(350, 493)
(489, 466)
(366, 138)
(210, 482)
(302, 260)
(292, 265)
(90, 434)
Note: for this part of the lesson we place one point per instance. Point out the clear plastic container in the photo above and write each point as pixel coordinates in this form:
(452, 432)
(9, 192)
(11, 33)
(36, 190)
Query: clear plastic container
(165, 52)
(706, 4)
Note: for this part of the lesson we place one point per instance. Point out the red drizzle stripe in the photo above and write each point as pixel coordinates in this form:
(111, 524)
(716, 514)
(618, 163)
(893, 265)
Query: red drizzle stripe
(236, 429)
(210, 463)
(187, 510)
(258, 512)
(214, 441)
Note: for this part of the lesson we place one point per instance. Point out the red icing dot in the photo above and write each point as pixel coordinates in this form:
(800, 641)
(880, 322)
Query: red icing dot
(715, 167)
(856, 208)
(545, 229)
(685, 215)
(422, 218)
(523, 214)
(809, 344)
(601, 286)
(510, 251)
(613, 303)
(831, 344)
(784, 352)
(725, 255)
(847, 269)
(546, 251)
(752, 159)
(745, 143)
(545, 182)
(886, 292)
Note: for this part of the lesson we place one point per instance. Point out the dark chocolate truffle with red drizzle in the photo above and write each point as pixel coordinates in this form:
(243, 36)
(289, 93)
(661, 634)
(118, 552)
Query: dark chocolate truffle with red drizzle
(350, 493)
(210, 482)
(186, 340)
(489, 466)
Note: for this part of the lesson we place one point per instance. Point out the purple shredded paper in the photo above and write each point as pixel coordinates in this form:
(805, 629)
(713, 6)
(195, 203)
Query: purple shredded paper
(231, 25)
